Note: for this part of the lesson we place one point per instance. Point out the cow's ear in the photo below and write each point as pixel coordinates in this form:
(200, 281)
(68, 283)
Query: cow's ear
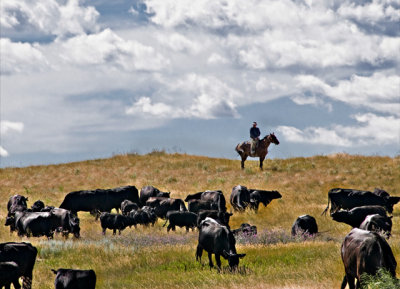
(241, 255)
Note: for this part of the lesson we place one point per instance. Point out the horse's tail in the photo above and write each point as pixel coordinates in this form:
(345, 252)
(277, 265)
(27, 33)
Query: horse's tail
(238, 148)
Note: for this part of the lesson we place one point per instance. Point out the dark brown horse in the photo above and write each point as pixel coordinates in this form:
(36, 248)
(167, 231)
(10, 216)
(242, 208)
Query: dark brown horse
(243, 149)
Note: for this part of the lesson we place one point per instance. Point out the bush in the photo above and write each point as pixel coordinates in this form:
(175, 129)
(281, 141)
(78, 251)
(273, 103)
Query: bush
(382, 280)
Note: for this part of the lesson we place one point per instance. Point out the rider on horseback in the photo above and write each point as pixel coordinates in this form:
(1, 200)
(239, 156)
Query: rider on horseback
(254, 135)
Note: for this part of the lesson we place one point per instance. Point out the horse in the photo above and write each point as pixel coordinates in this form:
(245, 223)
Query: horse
(243, 149)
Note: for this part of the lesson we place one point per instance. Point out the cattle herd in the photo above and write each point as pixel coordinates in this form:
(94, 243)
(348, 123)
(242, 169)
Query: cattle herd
(364, 249)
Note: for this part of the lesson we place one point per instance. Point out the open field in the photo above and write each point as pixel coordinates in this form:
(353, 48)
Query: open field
(152, 258)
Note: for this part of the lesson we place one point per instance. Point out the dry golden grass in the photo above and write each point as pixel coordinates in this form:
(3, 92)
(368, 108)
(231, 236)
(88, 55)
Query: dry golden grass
(151, 258)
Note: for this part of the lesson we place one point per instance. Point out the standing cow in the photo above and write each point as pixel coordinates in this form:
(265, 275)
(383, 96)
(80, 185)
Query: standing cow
(218, 240)
(150, 191)
(357, 215)
(240, 198)
(24, 255)
(74, 279)
(181, 219)
(365, 252)
(378, 223)
(263, 197)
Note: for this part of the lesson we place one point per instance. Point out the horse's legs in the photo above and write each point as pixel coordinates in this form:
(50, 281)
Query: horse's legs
(261, 162)
(244, 157)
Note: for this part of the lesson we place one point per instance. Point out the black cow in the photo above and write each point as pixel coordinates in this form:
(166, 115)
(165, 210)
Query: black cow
(195, 206)
(378, 223)
(304, 224)
(262, 196)
(36, 224)
(9, 273)
(127, 206)
(216, 197)
(181, 219)
(240, 198)
(99, 200)
(365, 252)
(67, 222)
(37, 206)
(195, 196)
(220, 217)
(150, 191)
(356, 216)
(163, 205)
(114, 222)
(16, 203)
(219, 240)
(350, 198)
(143, 216)
(245, 229)
(74, 279)
(24, 255)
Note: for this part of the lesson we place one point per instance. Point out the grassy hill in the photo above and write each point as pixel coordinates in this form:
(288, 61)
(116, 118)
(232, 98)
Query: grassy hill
(151, 258)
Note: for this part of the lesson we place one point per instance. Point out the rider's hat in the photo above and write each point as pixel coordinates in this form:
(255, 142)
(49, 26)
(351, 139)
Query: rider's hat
(254, 122)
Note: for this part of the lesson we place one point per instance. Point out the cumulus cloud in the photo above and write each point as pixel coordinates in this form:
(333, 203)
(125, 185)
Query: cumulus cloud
(5, 128)
(197, 96)
(379, 91)
(372, 130)
(49, 16)
(106, 47)
(179, 43)
(18, 57)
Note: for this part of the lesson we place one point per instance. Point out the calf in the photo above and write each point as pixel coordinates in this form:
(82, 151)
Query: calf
(74, 279)
(9, 273)
(263, 197)
(127, 206)
(114, 222)
(305, 224)
(195, 206)
(181, 219)
(37, 206)
(219, 240)
(245, 229)
(143, 216)
(378, 223)
(365, 252)
(357, 215)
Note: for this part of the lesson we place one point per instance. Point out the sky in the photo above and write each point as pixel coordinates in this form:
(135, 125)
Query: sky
(91, 79)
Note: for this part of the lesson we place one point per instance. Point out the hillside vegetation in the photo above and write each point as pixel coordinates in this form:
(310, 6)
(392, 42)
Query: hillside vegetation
(152, 258)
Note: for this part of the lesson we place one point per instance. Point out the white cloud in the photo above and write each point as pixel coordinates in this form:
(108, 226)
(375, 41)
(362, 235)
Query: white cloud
(49, 16)
(3, 152)
(216, 58)
(9, 126)
(107, 48)
(372, 12)
(18, 57)
(372, 130)
(379, 92)
(179, 43)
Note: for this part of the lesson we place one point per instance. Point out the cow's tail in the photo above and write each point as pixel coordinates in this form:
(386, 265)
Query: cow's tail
(327, 207)
(26, 282)
(166, 221)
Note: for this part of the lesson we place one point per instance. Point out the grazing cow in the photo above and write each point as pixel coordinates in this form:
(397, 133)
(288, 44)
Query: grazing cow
(245, 229)
(36, 224)
(74, 279)
(356, 216)
(37, 206)
(221, 217)
(9, 273)
(219, 240)
(378, 223)
(195, 206)
(114, 222)
(196, 196)
(216, 197)
(262, 196)
(350, 198)
(365, 252)
(99, 200)
(127, 206)
(305, 224)
(67, 222)
(181, 219)
(240, 198)
(163, 205)
(150, 191)
(24, 255)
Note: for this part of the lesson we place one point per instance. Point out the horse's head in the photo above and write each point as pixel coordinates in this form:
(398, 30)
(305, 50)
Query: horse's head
(272, 138)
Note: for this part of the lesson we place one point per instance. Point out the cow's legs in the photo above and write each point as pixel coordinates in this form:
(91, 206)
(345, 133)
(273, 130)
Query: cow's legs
(199, 253)
(16, 284)
(344, 282)
(114, 231)
(169, 227)
(218, 259)
(210, 262)
(350, 281)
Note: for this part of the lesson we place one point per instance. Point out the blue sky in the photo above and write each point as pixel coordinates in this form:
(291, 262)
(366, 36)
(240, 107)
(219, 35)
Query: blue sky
(89, 79)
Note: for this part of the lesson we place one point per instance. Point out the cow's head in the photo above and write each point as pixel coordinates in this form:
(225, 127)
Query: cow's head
(340, 216)
(233, 259)
(74, 225)
(37, 206)
(164, 194)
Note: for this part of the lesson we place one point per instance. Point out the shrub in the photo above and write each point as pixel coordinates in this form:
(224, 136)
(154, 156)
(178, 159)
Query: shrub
(382, 280)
